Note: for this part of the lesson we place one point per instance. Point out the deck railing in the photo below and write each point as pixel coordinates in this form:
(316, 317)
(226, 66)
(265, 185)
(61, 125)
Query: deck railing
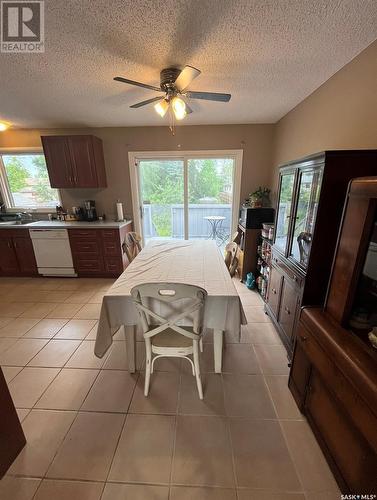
(168, 220)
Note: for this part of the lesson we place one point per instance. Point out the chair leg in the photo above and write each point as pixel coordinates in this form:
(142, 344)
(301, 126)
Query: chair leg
(197, 368)
(148, 362)
(201, 344)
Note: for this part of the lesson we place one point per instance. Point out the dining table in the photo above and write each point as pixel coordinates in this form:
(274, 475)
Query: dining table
(194, 262)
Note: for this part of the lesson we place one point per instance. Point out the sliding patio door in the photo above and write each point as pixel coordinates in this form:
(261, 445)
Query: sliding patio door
(161, 193)
(193, 196)
(210, 198)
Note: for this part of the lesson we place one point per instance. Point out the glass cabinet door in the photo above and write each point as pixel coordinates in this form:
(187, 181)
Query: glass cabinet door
(287, 183)
(309, 186)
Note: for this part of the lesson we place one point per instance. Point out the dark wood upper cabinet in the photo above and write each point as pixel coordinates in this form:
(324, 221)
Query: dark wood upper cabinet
(75, 161)
(58, 161)
(310, 203)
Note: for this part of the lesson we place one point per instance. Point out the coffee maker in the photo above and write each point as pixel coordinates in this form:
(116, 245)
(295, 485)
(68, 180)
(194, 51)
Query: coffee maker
(90, 212)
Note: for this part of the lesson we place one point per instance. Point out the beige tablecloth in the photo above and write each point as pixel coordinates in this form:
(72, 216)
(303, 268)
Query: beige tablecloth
(193, 262)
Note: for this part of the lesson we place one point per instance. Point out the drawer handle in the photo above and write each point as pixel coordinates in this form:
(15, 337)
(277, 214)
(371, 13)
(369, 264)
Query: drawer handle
(287, 310)
(273, 291)
(303, 338)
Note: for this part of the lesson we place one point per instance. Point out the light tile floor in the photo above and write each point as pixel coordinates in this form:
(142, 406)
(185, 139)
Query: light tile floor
(93, 435)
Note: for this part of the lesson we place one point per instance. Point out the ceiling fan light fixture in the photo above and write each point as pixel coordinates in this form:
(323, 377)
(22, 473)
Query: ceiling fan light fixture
(4, 126)
(179, 108)
(161, 107)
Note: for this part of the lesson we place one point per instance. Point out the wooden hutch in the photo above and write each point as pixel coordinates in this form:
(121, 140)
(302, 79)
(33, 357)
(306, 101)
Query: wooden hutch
(308, 214)
(334, 370)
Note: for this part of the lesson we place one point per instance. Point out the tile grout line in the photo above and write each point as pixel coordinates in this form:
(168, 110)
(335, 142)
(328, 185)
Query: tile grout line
(120, 433)
(172, 458)
(227, 418)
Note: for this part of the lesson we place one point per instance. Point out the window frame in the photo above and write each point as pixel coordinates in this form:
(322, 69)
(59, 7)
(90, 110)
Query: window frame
(4, 183)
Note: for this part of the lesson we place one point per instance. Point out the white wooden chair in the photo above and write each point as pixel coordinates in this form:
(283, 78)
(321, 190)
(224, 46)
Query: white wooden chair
(164, 337)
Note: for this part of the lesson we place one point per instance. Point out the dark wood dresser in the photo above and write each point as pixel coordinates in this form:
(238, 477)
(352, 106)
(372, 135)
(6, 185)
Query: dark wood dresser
(334, 369)
(308, 214)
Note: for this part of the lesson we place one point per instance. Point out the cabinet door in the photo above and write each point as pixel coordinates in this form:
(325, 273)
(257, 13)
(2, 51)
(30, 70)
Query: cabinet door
(284, 211)
(303, 222)
(58, 161)
(274, 291)
(25, 255)
(8, 260)
(351, 453)
(288, 307)
(84, 167)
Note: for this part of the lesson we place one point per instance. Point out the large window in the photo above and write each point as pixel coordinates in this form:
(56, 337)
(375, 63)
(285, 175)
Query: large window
(24, 182)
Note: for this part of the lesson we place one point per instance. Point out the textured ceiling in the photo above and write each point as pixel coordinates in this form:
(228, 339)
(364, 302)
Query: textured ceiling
(269, 54)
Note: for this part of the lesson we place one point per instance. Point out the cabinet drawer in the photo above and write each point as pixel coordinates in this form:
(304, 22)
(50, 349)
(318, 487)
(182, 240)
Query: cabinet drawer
(111, 248)
(87, 234)
(88, 245)
(88, 264)
(297, 280)
(113, 265)
(112, 234)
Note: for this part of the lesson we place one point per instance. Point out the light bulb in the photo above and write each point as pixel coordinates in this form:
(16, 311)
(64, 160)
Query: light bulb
(179, 108)
(3, 126)
(161, 107)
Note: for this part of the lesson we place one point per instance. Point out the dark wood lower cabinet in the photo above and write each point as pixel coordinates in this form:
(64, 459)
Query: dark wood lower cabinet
(12, 438)
(17, 254)
(98, 252)
(334, 382)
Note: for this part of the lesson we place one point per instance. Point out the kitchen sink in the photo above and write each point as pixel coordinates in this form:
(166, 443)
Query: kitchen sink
(15, 222)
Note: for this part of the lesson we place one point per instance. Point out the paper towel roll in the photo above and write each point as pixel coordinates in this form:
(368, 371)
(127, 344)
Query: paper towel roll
(120, 216)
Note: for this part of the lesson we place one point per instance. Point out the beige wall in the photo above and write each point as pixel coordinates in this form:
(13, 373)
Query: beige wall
(255, 140)
(341, 114)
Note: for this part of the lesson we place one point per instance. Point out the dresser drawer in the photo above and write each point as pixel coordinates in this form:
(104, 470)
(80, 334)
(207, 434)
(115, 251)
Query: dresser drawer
(284, 267)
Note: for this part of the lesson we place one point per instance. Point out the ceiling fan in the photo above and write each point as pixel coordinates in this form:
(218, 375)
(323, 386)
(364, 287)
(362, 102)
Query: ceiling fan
(174, 83)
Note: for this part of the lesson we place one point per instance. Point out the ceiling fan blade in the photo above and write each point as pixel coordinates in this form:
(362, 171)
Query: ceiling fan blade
(185, 77)
(208, 96)
(138, 84)
(148, 101)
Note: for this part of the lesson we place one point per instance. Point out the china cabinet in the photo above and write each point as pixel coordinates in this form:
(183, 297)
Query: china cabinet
(334, 368)
(308, 213)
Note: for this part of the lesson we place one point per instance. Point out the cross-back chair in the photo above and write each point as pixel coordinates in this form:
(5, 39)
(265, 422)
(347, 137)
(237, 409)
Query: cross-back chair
(162, 308)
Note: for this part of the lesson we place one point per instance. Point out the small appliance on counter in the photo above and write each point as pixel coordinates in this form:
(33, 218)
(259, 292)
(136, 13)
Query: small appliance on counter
(90, 212)
(253, 218)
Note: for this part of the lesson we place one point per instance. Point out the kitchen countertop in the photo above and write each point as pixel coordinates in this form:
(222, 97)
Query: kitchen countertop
(46, 224)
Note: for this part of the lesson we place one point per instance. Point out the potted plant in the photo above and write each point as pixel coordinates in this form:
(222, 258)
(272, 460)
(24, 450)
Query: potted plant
(260, 198)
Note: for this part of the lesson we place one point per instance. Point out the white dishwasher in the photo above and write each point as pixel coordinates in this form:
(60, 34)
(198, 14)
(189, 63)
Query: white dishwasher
(52, 252)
